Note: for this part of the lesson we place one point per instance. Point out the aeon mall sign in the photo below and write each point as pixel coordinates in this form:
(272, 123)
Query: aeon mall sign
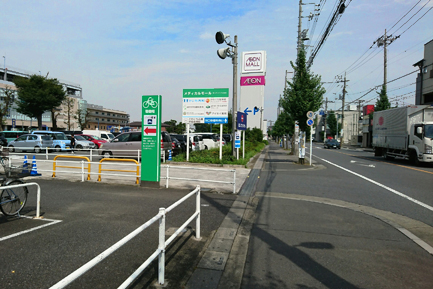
(252, 80)
(254, 62)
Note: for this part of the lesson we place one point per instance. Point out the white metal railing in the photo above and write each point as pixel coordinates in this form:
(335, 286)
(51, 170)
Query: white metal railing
(167, 177)
(159, 252)
(84, 172)
(38, 195)
(91, 153)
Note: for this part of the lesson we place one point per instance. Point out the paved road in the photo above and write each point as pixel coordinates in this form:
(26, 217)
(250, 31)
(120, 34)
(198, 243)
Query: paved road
(323, 228)
(92, 217)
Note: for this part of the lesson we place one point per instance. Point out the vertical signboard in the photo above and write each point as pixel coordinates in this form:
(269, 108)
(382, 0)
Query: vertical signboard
(151, 140)
(208, 105)
(238, 140)
(241, 121)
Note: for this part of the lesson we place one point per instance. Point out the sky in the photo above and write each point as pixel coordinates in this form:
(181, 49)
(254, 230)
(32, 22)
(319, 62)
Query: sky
(118, 51)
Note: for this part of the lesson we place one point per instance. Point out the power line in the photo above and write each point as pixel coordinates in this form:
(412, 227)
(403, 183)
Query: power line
(404, 15)
(416, 21)
(414, 15)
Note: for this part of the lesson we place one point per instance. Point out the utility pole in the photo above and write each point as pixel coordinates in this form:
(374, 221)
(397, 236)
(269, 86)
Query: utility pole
(326, 115)
(384, 41)
(235, 92)
(299, 27)
(342, 108)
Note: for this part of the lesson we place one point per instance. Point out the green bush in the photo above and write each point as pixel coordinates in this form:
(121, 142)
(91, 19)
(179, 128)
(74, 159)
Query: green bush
(212, 156)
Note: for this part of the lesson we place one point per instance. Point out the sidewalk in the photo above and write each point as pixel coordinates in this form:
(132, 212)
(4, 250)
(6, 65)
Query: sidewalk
(280, 240)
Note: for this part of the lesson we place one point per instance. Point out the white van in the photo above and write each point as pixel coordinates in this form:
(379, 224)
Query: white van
(105, 135)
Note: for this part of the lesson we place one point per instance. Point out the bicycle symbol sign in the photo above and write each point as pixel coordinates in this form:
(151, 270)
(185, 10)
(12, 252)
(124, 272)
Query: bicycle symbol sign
(150, 102)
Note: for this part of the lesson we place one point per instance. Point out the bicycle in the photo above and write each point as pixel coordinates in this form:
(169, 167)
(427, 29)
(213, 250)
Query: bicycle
(12, 200)
(150, 102)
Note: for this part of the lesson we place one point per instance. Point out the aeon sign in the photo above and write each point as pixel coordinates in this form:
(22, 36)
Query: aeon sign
(252, 80)
(253, 62)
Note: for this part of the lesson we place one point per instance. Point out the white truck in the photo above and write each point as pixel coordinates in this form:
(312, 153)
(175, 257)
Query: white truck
(404, 133)
(103, 134)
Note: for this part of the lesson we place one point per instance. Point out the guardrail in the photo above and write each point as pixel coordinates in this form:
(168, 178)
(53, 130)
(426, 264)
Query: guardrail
(72, 167)
(38, 195)
(136, 154)
(160, 252)
(117, 170)
(167, 177)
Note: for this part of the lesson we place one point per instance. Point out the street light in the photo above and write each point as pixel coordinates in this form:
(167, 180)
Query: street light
(233, 54)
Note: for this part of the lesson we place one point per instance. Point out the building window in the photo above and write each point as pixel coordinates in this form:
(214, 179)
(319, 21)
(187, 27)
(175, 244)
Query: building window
(108, 114)
(103, 113)
(96, 112)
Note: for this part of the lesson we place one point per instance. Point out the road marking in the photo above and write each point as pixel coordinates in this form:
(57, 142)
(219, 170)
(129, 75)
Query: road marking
(376, 160)
(381, 185)
(52, 222)
(362, 164)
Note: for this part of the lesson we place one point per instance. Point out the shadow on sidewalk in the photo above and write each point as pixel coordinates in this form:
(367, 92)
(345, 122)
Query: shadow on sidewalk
(323, 275)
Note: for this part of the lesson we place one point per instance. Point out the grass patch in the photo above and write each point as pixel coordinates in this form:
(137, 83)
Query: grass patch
(212, 156)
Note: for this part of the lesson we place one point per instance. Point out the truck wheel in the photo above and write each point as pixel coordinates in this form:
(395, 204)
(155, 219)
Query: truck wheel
(414, 158)
(377, 152)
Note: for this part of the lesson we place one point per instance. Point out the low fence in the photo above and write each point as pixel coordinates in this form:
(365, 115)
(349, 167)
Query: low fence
(90, 153)
(129, 168)
(167, 167)
(159, 252)
(38, 195)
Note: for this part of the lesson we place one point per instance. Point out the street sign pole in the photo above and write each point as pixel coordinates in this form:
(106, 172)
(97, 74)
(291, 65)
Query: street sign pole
(310, 122)
(150, 141)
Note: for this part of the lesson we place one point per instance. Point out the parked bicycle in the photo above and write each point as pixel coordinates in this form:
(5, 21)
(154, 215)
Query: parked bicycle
(12, 200)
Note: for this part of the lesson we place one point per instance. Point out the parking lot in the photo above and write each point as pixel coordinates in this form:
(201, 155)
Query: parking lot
(82, 219)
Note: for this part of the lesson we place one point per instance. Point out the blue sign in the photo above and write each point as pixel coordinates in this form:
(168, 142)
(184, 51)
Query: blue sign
(216, 120)
(246, 111)
(310, 122)
(321, 112)
(256, 109)
(14, 122)
(238, 140)
(241, 121)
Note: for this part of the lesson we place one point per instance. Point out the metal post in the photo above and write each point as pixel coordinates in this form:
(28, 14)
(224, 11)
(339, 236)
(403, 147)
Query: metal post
(91, 155)
(161, 247)
(311, 144)
(221, 141)
(167, 174)
(234, 181)
(82, 171)
(235, 91)
(46, 153)
(243, 145)
(187, 142)
(197, 209)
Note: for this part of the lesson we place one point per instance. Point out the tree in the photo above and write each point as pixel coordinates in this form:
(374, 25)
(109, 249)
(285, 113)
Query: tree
(82, 117)
(69, 103)
(174, 127)
(6, 104)
(303, 94)
(382, 103)
(331, 122)
(37, 95)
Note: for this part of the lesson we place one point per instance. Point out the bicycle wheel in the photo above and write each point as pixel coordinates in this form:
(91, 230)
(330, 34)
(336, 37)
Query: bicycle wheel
(14, 199)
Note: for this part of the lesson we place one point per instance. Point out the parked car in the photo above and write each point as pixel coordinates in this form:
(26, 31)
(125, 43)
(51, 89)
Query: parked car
(331, 143)
(60, 141)
(227, 137)
(30, 142)
(182, 140)
(128, 144)
(210, 140)
(81, 143)
(175, 147)
(197, 143)
(93, 138)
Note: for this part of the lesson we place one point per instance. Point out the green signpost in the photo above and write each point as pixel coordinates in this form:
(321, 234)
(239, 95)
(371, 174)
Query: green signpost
(151, 140)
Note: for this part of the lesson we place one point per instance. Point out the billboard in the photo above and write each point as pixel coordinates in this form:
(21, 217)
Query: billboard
(254, 62)
(208, 105)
